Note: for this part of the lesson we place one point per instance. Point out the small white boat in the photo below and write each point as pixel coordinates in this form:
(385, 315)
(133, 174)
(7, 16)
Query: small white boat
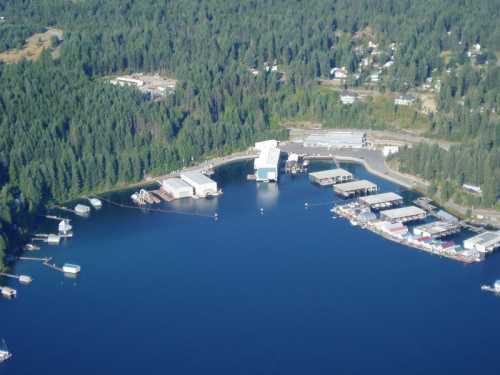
(30, 247)
(71, 268)
(25, 279)
(4, 352)
(82, 209)
(354, 223)
(53, 239)
(96, 203)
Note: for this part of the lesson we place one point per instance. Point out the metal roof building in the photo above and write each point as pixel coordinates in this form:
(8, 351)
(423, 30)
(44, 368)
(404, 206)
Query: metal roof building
(337, 140)
(382, 200)
(485, 242)
(403, 214)
(267, 163)
(331, 176)
(203, 186)
(177, 188)
(436, 229)
(353, 188)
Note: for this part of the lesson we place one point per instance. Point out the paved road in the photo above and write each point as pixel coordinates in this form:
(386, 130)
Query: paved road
(373, 160)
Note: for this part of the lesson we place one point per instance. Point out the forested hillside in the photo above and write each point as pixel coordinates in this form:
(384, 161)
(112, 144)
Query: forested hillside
(65, 131)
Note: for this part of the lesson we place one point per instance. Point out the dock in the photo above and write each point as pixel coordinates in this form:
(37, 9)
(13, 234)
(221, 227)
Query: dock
(23, 279)
(355, 188)
(162, 194)
(330, 177)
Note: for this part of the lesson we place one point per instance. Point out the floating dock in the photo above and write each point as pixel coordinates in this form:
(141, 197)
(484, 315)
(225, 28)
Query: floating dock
(437, 229)
(485, 242)
(330, 177)
(354, 188)
(403, 214)
(382, 200)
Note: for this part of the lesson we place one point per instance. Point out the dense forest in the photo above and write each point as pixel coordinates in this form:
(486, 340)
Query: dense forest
(65, 131)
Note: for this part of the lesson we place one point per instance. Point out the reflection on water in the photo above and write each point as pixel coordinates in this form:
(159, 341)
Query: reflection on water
(267, 194)
(201, 205)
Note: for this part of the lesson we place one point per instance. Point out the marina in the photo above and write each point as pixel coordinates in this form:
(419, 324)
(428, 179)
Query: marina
(187, 296)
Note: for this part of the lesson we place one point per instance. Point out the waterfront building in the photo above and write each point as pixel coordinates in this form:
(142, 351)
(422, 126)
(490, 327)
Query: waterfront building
(330, 177)
(436, 229)
(337, 139)
(485, 242)
(71, 268)
(382, 200)
(353, 188)
(177, 188)
(266, 165)
(202, 185)
(403, 214)
(394, 229)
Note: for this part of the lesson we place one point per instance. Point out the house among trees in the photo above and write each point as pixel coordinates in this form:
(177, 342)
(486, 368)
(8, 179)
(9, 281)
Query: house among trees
(339, 73)
(348, 97)
(404, 100)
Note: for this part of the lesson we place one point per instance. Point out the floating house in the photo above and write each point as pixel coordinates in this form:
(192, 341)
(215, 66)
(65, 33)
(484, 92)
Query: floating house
(96, 203)
(202, 185)
(330, 177)
(71, 268)
(382, 200)
(64, 227)
(436, 229)
(354, 188)
(403, 214)
(8, 292)
(485, 242)
(82, 209)
(177, 188)
(266, 165)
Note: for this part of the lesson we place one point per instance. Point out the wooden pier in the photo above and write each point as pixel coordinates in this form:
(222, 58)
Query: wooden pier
(34, 259)
(162, 194)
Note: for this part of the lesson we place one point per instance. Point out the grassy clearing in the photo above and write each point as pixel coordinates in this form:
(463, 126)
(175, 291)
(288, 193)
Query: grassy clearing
(33, 47)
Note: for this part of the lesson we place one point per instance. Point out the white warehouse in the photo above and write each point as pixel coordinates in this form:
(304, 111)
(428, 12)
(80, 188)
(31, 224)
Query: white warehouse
(203, 186)
(485, 242)
(177, 188)
(337, 139)
(266, 165)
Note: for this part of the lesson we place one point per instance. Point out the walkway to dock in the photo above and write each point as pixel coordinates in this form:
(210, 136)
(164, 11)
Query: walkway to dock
(161, 210)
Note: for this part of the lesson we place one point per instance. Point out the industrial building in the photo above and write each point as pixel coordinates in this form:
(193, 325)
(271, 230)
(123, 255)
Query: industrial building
(353, 188)
(330, 177)
(485, 242)
(337, 139)
(437, 229)
(202, 185)
(403, 214)
(382, 200)
(177, 188)
(266, 165)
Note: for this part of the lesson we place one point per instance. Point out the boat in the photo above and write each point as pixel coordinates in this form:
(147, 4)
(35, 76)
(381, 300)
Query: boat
(96, 203)
(71, 268)
(82, 209)
(354, 223)
(53, 239)
(4, 352)
(30, 247)
(25, 279)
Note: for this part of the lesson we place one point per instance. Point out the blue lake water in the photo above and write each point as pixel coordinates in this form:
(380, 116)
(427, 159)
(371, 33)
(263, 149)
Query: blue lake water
(289, 291)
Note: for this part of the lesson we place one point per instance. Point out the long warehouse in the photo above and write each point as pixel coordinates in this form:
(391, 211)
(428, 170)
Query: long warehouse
(330, 177)
(353, 188)
(485, 242)
(203, 186)
(436, 229)
(177, 188)
(403, 214)
(382, 200)
(267, 164)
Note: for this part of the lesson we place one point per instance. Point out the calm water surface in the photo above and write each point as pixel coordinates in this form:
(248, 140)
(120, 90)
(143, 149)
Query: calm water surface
(289, 291)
